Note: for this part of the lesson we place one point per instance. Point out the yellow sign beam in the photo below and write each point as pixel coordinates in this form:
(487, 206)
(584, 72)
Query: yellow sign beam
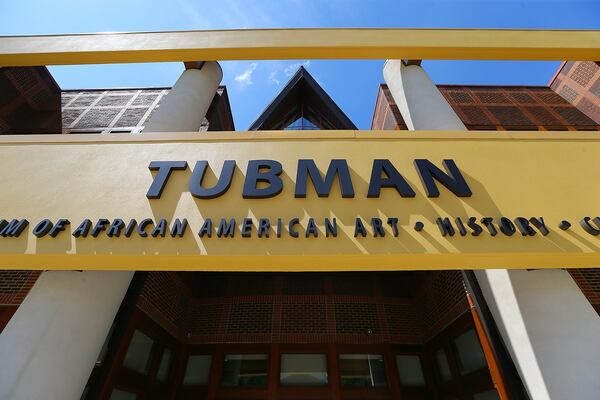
(269, 44)
(533, 188)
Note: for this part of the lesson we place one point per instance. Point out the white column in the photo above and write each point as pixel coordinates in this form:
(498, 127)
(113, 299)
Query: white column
(184, 108)
(421, 104)
(551, 330)
(50, 346)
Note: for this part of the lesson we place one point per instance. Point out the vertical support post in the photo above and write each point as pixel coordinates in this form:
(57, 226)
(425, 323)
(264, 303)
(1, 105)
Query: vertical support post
(421, 104)
(55, 337)
(186, 105)
(50, 346)
(549, 328)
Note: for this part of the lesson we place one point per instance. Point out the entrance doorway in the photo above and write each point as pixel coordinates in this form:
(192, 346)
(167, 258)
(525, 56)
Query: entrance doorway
(226, 336)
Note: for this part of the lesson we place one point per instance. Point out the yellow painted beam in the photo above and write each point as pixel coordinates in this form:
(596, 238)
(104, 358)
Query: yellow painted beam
(546, 175)
(269, 44)
(298, 263)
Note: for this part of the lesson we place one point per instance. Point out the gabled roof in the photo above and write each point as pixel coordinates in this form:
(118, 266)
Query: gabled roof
(302, 96)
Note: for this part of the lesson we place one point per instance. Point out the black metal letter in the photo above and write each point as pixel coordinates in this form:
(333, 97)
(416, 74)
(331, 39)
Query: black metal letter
(206, 228)
(14, 228)
(539, 223)
(452, 179)
(445, 226)
(377, 226)
(141, 229)
(488, 222)
(585, 224)
(461, 226)
(160, 229)
(359, 228)
(130, 228)
(311, 228)
(222, 185)
(393, 179)
(393, 222)
(291, 229)
(522, 224)
(42, 228)
(226, 229)
(322, 186)
(179, 227)
(99, 227)
(472, 223)
(83, 228)
(507, 227)
(330, 227)
(247, 227)
(115, 228)
(271, 177)
(59, 227)
(164, 169)
(263, 227)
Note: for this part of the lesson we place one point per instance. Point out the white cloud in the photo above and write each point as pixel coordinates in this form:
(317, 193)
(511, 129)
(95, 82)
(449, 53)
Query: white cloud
(273, 78)
(286, 70)
(188, 8)
(292, 68)
(245, 78)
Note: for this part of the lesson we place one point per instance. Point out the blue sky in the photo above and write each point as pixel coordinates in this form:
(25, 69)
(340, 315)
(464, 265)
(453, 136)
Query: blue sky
(252, 85)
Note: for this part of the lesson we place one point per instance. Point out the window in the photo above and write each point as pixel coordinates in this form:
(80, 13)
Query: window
(470, 355)
(197, 370)
(301, 124)
(164, 366)
(138, 353)
(244, 370)
(303, 369)
(122, 395)
(442, 364)
(410, 370)
(362, 370)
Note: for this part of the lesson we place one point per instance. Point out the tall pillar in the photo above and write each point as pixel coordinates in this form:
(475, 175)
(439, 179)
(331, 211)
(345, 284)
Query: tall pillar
(50, 346)
(421, 104)
(184, 108)
(549, 327)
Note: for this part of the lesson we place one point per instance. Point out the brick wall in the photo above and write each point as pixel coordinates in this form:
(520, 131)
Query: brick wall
(387, 115)
(29, 101)
(442, 299)
(578, 82)
(14, 285)
(588, 281)
(496, 108)
(164, 298)
(402, 307)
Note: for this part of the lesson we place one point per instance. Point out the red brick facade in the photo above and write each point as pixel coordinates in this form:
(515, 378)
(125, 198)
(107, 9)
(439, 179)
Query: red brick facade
(14, 285)
(29, 101)
(495, 108)
(354, 308)
(589, 282)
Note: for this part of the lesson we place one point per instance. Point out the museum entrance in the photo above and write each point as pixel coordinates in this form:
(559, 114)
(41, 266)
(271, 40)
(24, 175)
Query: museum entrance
(376, 335)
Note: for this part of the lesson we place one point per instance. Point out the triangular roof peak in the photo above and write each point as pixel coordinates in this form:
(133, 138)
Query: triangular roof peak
(302, 104)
